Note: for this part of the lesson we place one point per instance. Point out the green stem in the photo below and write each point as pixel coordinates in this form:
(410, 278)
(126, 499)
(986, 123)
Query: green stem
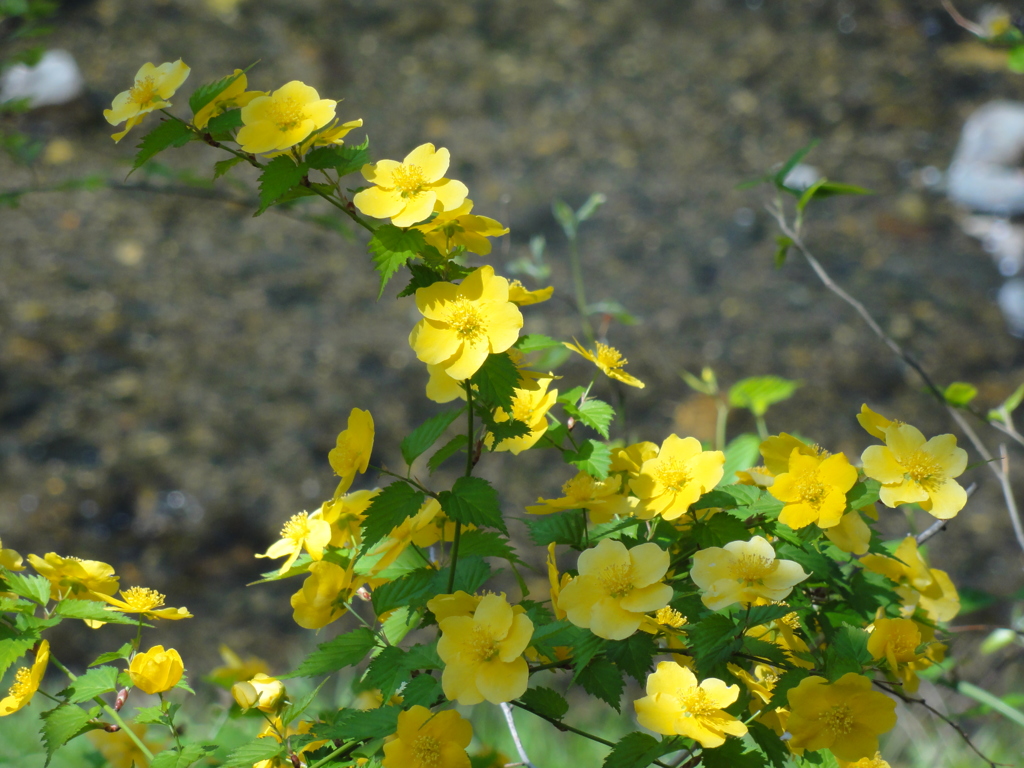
(347, 746)
(723, 414)
(580, 290)
(455, 556)
(470, 450)
(170, 722)
(762, 427)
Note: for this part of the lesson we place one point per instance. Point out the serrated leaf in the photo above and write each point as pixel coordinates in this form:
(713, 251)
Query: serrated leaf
(762, 614)
(446, 451)
(223, 166)
(852, 643)
(343, 651)
(863, 493)
(740, 454)
(637, 750)
(247, 755)
(593, 457)
(765, 651)
(546, 702)
(504, 430)
(732, 754)
(758, 393)
(496, 381)
(343, 160)
(427, 433)
(296, 709)
(422, 276)
(585, 646)
(391, 248)
(12, 649)
(602, 679)
(95, 682)
(634, 655)
(487, 544)
(473, 501)
(169, 133)
(818, 565)
(536, 342)
(204, 94)
(713, 639)
(93, 610)
(224, 123)
(959, 394)
(354, 724)
(34, 588)
(596, 414)
(62, 724)
(558, 528)
(150, 715)
(470, 574)
(389, 509)
(768, 741)
(189, 755)
(121, 653)
(424, 690)
(718, 530)
(387, 671)
(413, 590)
(278, 177)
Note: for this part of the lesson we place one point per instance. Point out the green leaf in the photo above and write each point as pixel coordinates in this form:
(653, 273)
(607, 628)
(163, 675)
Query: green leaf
(596, 414)
(634, 655)
(757, 393)
(763, 614)
(422, 276)
(389, 509)
(740, 454)
(62, 724)
(1009, 405)
(190, 754)
(342, 159)
(589, 208)
(343, 651)
(223, 166)
(204, 94)
(427, 433)
(1015, 59)
(446, 451)
(121, 653)
(413, 590)
(809, 193)
(959, 394)
(815, 563)
(732, 754)
(718, 530)
(600, 678)
(566, 218)
(851, 643)
(96, 681)
(768, 741)
(863, 493)
(93, 610)
(835, 188)
(473, 501)
(585, 646)
(169, 133)
(593, 457)
(638, 750)
(13, 648)
(991, 700)
(296, 709)
(279, 176)
(769, 652)
(470, 575)
(247, 755)
(545, 702)
(150, 715)
(780, 176)
(487, 544)
(496, 381)
(504, 430)
(353, 724)
(391, 248)
(714, 639)
(787, 681)
(34, 588)
(558, 528)
(224, 123)
(537, 342)
(424, 690)
(387, 671)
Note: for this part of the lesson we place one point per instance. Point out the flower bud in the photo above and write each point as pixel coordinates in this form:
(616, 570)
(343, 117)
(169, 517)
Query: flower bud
(245, 695)
(156, 670)
(262, 691)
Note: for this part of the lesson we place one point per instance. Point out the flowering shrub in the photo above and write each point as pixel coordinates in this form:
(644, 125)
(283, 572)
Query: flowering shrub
(756, 605)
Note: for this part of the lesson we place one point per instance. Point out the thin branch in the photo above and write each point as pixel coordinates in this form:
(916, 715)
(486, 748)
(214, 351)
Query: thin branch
(507, 711)
(940, 525)
(961, 21)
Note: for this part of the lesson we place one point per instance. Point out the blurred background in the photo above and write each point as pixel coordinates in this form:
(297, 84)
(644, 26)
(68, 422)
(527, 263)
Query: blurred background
(174, 371)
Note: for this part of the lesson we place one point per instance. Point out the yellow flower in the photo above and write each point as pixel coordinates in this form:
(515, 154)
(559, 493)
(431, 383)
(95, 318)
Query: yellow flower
(323, 595)
(760, 684)
(408, 192)
(264, 692)
(609, 360)
(156, 670)
(72, 577)
(851, 535)
(782, 632)
(602, 498)
(429, 740)
(874, 424)
(26, 682)
(232, 97)
(463, 324)
(333, 135)
(744, 572)
(675, 705)
(146, 602)
(631, 457)
(912, 470)
(352, 452)
(301, 532)
(671, 481)
(345, 515)
(120, 750)
(10, 559)
(283, 118)
(483, 653)
(531, 407)
(616, 587)
(235, 668)
(458, 604)
(456, 226)
(521, 297)
(917, 584)
(274, 729)
(557, 582)
(153, 86)
(778, 449)
(897, 640)
(845, 717)
(420, 529)
(814, 489)
(866, 762)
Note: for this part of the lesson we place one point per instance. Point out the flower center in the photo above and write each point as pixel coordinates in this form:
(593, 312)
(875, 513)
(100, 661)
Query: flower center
(484, 646)
(923, 469)
(673, 474)
(143, 92)
(609, 357)
(617, 580)
(286, 113)
(812, 491)
(297, 527)
(791, 620)
(752, 568)
(427, 751)
(838, 719)
(670, 617)
(22, 684)
(464, 318)
(694, 703)
(142, 598)
(409, 180)
(580, 488)
(903, 646)
(523, 408)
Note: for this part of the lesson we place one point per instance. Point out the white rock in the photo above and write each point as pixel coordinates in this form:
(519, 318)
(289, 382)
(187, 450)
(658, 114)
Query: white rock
(55, 79)
(985, 173)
